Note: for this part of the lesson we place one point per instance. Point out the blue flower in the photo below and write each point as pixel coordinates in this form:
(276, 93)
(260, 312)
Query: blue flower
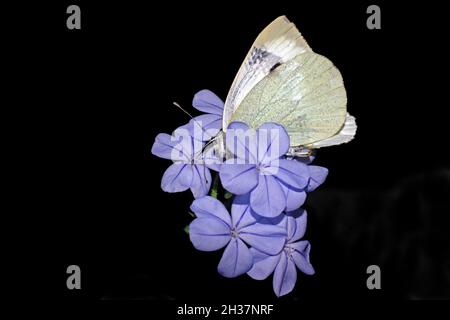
(214, 229)
(259, 167)
(283, 265)
(188, 170)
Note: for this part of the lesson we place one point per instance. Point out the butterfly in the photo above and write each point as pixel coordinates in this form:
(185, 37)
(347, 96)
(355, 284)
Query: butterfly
(282, 80)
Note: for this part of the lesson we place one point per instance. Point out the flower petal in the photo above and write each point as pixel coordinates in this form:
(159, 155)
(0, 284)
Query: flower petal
(294, 198)
(187, 143)
(241, 215)
(208, 102)
(178, 177)
(209, 234)
(204, 127)
(317, 177)
(241, 141)
(285, 276)
(269, 239)
(268, 198)
(298, 221)
(301, 256)
(238, 178)
(201, 182)
(263, 264)
(208, 207)
(291, 227)
(273, 142)
(293, 173)
(169, 147)
(236, 259)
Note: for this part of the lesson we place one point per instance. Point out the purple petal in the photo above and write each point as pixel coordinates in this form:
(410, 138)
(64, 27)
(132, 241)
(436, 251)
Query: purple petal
(169, 147)
(269, 239)
(294, 199)
(268, 199)
(291, 227)
(241, 215)
(236, 259)
(279, 220)
(301, 256)
(258, 255)
(273, 142)
(209, 207)
(209, 234)
(201, 182)
(285, 276)
(204, 127)
(293, 173)
(207, 101)
(187, 143)
(238, 178)
(241, 141)
(318, 176)
(263, 264)
(298, 225)
(238, 125)
(178, 177)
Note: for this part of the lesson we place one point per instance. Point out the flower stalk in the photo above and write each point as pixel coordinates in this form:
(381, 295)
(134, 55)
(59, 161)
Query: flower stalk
(215, 187)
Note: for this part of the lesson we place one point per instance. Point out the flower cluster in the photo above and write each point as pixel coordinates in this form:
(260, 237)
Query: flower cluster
(261, 230)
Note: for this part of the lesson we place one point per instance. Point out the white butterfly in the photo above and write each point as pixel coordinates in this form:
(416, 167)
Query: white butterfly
(282, 80)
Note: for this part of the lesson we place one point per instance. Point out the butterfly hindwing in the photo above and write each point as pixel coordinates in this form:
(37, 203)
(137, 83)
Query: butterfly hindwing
(346, 134)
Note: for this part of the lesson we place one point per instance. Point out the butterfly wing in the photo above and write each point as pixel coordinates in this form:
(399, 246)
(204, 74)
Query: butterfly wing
(346, 134)
(279, 42)
(306, 95)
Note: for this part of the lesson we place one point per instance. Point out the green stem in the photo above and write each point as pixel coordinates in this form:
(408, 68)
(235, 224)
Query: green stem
(214, 190)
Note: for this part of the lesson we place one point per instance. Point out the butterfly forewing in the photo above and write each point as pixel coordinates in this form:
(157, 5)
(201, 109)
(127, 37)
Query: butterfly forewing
(279, 42)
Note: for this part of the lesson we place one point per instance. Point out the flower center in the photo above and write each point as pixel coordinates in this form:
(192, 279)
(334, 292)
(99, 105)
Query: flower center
(261, 168)
(289, 250)
(197, 160)
(234, 233)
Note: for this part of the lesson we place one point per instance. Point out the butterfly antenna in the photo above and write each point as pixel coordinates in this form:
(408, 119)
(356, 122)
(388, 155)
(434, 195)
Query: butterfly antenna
(181, 108)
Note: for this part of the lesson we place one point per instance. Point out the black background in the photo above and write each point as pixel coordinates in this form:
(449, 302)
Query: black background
(96, 98)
